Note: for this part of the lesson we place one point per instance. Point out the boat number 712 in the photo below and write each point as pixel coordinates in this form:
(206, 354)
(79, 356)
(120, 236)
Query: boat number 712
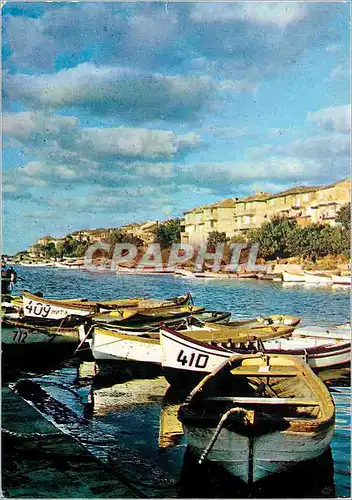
(200, 361)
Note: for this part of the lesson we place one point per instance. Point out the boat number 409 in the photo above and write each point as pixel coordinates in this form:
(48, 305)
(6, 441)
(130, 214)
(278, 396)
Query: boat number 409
(38, 309)
(198, 361)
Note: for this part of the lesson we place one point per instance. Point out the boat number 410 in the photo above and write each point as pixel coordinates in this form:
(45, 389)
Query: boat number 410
(198, 361)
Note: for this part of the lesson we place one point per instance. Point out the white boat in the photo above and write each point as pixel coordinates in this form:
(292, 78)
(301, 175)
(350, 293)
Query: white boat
(186, 361)
(39, 307)
(184, 273)
(62, 265)
(316, 278)
(113, 345)
(339, 332)
(259, 415)
(120, 345)
(293, 277)
(36, 264)
(29, 334)
(341, 280)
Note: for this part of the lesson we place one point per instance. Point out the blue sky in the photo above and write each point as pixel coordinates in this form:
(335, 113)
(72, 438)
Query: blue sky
(122, 112)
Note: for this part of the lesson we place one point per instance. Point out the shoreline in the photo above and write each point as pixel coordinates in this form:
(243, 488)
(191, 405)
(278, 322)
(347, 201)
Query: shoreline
(288, 274)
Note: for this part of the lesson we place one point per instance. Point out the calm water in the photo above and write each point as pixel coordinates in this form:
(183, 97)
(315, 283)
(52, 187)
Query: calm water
(133, 425)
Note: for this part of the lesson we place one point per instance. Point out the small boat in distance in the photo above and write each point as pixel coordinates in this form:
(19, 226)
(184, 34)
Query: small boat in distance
(293, 277)
(341, 280)
(317, 278)
(258, 415)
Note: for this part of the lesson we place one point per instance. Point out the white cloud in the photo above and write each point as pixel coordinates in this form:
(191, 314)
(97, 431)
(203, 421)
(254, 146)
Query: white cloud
(340, 73)
(334, 49)
(319, 146)
(115, 91)
(334, 118)
(279, 14)
(61, 139)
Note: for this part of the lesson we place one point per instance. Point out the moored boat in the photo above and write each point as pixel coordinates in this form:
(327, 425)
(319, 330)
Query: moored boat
(258, 415)
(109, 343)
(260, 321)
(339, 332)
(293, 277)
(35, 306)
(23, 334)
(317, 278)
(341, 280)
(270, 276)
(186, 361)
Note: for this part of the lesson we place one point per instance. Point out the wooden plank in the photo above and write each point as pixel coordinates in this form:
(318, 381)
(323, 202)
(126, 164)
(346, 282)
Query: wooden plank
(266, 401)
(253, 373)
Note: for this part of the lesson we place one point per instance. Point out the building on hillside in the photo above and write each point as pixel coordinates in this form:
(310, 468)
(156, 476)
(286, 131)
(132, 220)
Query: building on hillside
(46, 240)
(146, 231)
(250, 212)
(236, 216)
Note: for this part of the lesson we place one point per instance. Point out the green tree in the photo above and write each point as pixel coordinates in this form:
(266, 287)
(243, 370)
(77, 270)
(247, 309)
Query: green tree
(168, 233)
(272, 237)
(318, 240)
(344, 216)
(216, 237)
(81, 249)
(119, 236)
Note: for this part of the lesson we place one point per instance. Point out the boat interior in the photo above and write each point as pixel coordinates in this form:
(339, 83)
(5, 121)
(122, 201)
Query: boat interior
(270, 385)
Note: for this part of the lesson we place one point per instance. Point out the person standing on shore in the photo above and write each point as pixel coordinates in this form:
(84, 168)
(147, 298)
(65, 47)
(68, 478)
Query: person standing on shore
(8, 278)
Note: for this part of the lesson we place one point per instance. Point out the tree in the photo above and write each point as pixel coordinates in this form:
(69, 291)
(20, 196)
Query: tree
(168, 233)
(215, 238)
(272, 237)
(344, 216)
(318, 240)
(119, 236)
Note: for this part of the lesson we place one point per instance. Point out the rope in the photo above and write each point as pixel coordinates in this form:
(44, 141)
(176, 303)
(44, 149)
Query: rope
(34, 435)
(60, 325)
(83, 341)
(223, 419)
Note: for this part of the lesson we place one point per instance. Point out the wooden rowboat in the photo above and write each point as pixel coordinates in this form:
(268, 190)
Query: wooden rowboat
(186, 361)
(258, 415)
(114, 344)
(23, 334)
(260, 321)
(339, 332)
(293, 277)
(34, 306)
(144, 324)
(341, 280)
(316, 278)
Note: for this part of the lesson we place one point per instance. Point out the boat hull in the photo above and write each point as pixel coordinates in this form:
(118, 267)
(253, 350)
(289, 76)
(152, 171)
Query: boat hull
(252, 458)
(114, 348)
(293, 278)
(21, 336)
(341, 280)
(185, 362)
(317, 279)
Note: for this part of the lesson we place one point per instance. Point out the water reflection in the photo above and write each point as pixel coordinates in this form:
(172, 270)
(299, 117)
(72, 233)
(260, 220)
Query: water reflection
(132, 425)
(313, 479)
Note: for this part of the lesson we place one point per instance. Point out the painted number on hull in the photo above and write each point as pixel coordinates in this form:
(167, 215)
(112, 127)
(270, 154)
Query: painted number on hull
(38, 309)
(198, 361)
(20, 336)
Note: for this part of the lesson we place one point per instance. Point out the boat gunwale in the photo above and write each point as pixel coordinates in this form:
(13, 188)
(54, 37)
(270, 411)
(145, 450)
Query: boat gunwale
(296, 424)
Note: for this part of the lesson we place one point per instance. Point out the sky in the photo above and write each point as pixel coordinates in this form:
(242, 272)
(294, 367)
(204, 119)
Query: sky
(125, 112)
